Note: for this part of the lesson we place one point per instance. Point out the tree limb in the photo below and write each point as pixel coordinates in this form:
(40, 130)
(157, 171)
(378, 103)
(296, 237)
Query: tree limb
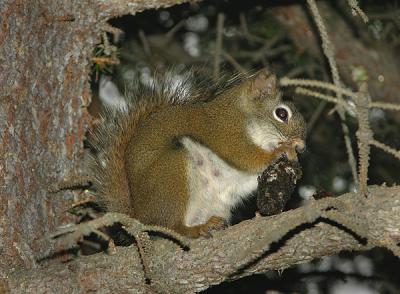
(112, 8)
(320, 228)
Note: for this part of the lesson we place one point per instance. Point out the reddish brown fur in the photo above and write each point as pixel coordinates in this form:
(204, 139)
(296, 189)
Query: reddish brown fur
(156, 169)
(146, 172)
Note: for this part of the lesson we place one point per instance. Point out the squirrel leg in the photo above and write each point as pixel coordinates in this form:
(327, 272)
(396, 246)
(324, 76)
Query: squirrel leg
(214, 223)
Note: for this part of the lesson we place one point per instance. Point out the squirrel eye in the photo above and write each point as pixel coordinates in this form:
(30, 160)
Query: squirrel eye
(282, 114)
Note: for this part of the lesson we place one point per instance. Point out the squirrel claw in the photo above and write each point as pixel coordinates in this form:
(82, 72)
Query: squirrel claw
(215, 223)
(291, 155)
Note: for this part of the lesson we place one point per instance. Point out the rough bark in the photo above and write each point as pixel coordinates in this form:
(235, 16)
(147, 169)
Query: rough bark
(45, 46)
(211, 261)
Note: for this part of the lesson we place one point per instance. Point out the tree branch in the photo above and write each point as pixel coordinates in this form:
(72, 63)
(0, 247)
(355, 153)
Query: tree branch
(318, 229)
(113, 8)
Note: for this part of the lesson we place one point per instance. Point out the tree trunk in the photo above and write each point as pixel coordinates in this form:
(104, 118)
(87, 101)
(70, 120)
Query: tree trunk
(46, 49)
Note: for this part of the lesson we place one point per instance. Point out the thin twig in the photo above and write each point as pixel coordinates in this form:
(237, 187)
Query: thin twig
(174, 29)
(307, 92)
(72, 233)
(143, 244)
(244, 27)
(330, 55)
(317, 84)
(356, 10)
(294, 72)
(384, 147)
(349, 148)
(285, 81)
(314, 117)
(383, 105)
(75, 182)
(116, 32)
(276, 51)
(103, 61)
(326, 42)
(218, 45)
(244, 32)
(108, 48)
(233, 61)
(145, 43)
(364, 136)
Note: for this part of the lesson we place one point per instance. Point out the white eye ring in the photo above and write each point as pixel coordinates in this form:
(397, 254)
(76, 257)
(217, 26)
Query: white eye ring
(279, 113)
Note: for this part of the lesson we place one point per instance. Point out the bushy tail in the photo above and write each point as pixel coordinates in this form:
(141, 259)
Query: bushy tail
(109, 140)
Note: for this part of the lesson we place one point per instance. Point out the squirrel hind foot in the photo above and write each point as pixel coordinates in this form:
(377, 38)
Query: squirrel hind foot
(214, 223)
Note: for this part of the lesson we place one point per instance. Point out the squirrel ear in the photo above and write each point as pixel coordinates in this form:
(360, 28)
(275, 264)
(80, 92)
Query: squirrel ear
(264, 84)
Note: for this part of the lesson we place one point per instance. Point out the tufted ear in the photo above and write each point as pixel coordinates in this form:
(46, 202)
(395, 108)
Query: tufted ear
(263, 85)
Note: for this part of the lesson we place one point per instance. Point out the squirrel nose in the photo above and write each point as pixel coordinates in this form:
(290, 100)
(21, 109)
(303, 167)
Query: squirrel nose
(300, 146)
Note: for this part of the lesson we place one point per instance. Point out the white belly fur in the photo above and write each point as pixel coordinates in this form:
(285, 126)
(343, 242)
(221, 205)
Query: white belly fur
(215, 187)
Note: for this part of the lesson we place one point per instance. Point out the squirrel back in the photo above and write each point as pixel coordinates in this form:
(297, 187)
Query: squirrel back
(181, 155)
(109, 139)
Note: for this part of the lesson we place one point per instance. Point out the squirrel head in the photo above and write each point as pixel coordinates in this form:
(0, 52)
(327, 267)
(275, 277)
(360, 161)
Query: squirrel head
(271, 122)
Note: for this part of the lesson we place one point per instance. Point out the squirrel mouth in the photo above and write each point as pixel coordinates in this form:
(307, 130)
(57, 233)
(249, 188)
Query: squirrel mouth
(294, 147)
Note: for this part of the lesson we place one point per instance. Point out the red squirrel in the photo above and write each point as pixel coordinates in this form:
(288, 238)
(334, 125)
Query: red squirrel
(182, 157)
